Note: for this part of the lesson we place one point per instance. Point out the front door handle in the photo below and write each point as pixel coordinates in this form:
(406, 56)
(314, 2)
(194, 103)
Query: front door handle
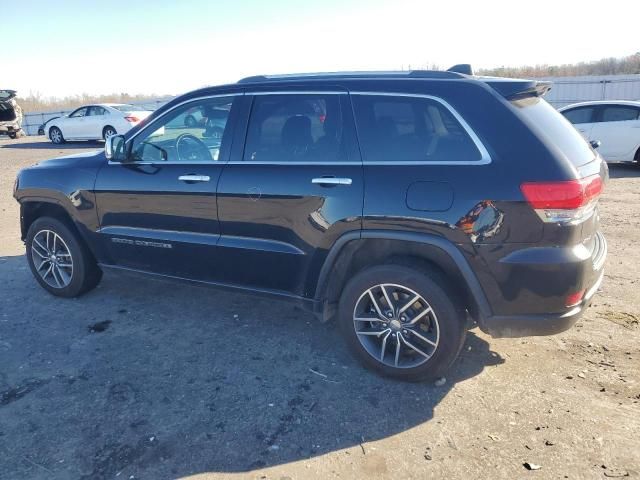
(331, 181)
(194, 178)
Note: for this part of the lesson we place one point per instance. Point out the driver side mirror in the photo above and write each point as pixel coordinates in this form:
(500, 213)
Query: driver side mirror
(595, 143)
(114, 149)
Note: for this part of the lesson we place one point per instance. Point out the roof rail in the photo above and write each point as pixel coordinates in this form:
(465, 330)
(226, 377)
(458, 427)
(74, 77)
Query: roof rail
(333, 75)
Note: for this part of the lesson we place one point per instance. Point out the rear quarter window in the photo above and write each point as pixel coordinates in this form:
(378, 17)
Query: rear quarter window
(411, 129)
(555, 129)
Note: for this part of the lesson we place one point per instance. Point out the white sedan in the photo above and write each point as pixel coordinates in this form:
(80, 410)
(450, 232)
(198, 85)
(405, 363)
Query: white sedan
(614, 123)
(95, 122)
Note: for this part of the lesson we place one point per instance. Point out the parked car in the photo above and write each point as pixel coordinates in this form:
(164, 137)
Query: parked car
(406, 206)
(615, 124)
(42, 127)
(10, 114)
(214, 121)
(95, 122)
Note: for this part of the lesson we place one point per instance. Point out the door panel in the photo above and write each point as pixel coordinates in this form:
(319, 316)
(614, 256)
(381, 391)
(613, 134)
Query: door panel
(158, 213)
(73, 124)
(619, 132)
(294, 192)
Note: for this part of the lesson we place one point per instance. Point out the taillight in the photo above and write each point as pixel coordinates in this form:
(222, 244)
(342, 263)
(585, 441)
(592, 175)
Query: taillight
(132, 119)
(574, 299)
(570, 201)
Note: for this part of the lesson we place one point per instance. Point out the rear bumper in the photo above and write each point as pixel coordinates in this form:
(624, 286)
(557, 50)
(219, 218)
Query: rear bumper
(537, 325)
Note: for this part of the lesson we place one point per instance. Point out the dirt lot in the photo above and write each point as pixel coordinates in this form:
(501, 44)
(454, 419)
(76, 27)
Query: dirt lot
(151, 380)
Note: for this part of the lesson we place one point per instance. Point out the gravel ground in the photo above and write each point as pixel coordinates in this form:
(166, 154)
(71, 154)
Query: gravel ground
(145, 379)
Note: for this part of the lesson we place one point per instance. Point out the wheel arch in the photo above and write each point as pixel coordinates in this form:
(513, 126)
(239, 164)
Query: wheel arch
(32, 208)
(358, 250)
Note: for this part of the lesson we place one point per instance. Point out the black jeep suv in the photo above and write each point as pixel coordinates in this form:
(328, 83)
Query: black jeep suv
(407, 206)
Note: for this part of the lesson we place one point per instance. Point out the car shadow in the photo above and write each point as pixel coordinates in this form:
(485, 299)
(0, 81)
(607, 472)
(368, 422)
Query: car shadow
(623, 170)
(157, 379)
(53, 146)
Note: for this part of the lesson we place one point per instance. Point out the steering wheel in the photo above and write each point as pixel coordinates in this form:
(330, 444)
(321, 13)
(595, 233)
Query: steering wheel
(191, 149)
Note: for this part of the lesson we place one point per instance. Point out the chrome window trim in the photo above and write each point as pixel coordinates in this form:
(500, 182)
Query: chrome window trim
(258, 162)
(298, 92)
(485, 158)
(146, 127)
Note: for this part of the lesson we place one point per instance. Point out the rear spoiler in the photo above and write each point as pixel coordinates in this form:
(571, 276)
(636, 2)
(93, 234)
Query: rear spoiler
(514, 89)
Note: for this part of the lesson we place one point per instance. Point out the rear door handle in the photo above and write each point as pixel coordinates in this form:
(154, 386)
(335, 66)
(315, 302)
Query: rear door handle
(331, 181)
(194, 178)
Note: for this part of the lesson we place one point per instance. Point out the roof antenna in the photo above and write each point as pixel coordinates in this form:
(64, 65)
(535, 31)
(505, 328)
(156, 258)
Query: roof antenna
(464, 68)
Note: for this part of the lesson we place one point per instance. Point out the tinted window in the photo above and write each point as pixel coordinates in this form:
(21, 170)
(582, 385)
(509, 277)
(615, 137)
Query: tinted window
(81, 112)
(619, 113)
(297, 128)
(410, 129)
(166, 140)
(551, 125)
(96, 111)
(579, 115)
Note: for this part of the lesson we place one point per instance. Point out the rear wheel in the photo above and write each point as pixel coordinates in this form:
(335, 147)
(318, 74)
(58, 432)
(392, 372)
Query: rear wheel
(402, 322)
(108, 131)
(636, 159)
(55, 135)
(61, 264)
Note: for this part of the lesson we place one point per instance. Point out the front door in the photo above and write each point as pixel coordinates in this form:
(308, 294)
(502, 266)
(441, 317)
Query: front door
(157, 212)
(73, 125)
(294, 188)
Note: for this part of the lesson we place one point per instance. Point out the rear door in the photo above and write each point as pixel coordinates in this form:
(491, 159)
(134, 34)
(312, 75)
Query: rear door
(158, 212)
(94, 122)
(582, 119)
(290, 190)
(618, 128)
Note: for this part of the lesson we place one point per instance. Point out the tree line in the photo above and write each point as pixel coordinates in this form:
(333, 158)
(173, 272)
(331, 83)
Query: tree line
(604, 66)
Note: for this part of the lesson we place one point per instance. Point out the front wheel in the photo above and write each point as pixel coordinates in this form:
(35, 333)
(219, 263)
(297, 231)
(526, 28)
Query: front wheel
(61, 264)
(55, 135)
(401, 323)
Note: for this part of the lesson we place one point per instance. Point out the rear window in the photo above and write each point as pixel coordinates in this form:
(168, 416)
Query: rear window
(126, 108)
(410, 129)
(556, 129)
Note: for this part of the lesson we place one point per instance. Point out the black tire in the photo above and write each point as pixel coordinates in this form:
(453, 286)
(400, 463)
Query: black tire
(108, 131)
(190, 121)
(85, 272)
(13, 135)
(637, 158)
(450, 319)
(55, 135)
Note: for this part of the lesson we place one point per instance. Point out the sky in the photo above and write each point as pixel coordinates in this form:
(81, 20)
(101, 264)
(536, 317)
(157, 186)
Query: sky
(70, 47)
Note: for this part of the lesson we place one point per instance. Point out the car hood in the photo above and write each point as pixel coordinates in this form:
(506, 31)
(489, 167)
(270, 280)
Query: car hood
(79, 159)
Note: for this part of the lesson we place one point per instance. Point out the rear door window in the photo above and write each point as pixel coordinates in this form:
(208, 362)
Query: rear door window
(579, 115)
(619, 113)
(295, 128)
(410, 129)
(551, 125)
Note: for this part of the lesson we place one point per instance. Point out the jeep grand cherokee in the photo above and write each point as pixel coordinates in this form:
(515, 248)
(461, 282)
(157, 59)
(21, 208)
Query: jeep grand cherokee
(406, 206)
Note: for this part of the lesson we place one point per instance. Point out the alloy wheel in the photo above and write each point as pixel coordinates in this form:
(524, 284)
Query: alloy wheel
(55, 135)
(52, 258)
(396, 325)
